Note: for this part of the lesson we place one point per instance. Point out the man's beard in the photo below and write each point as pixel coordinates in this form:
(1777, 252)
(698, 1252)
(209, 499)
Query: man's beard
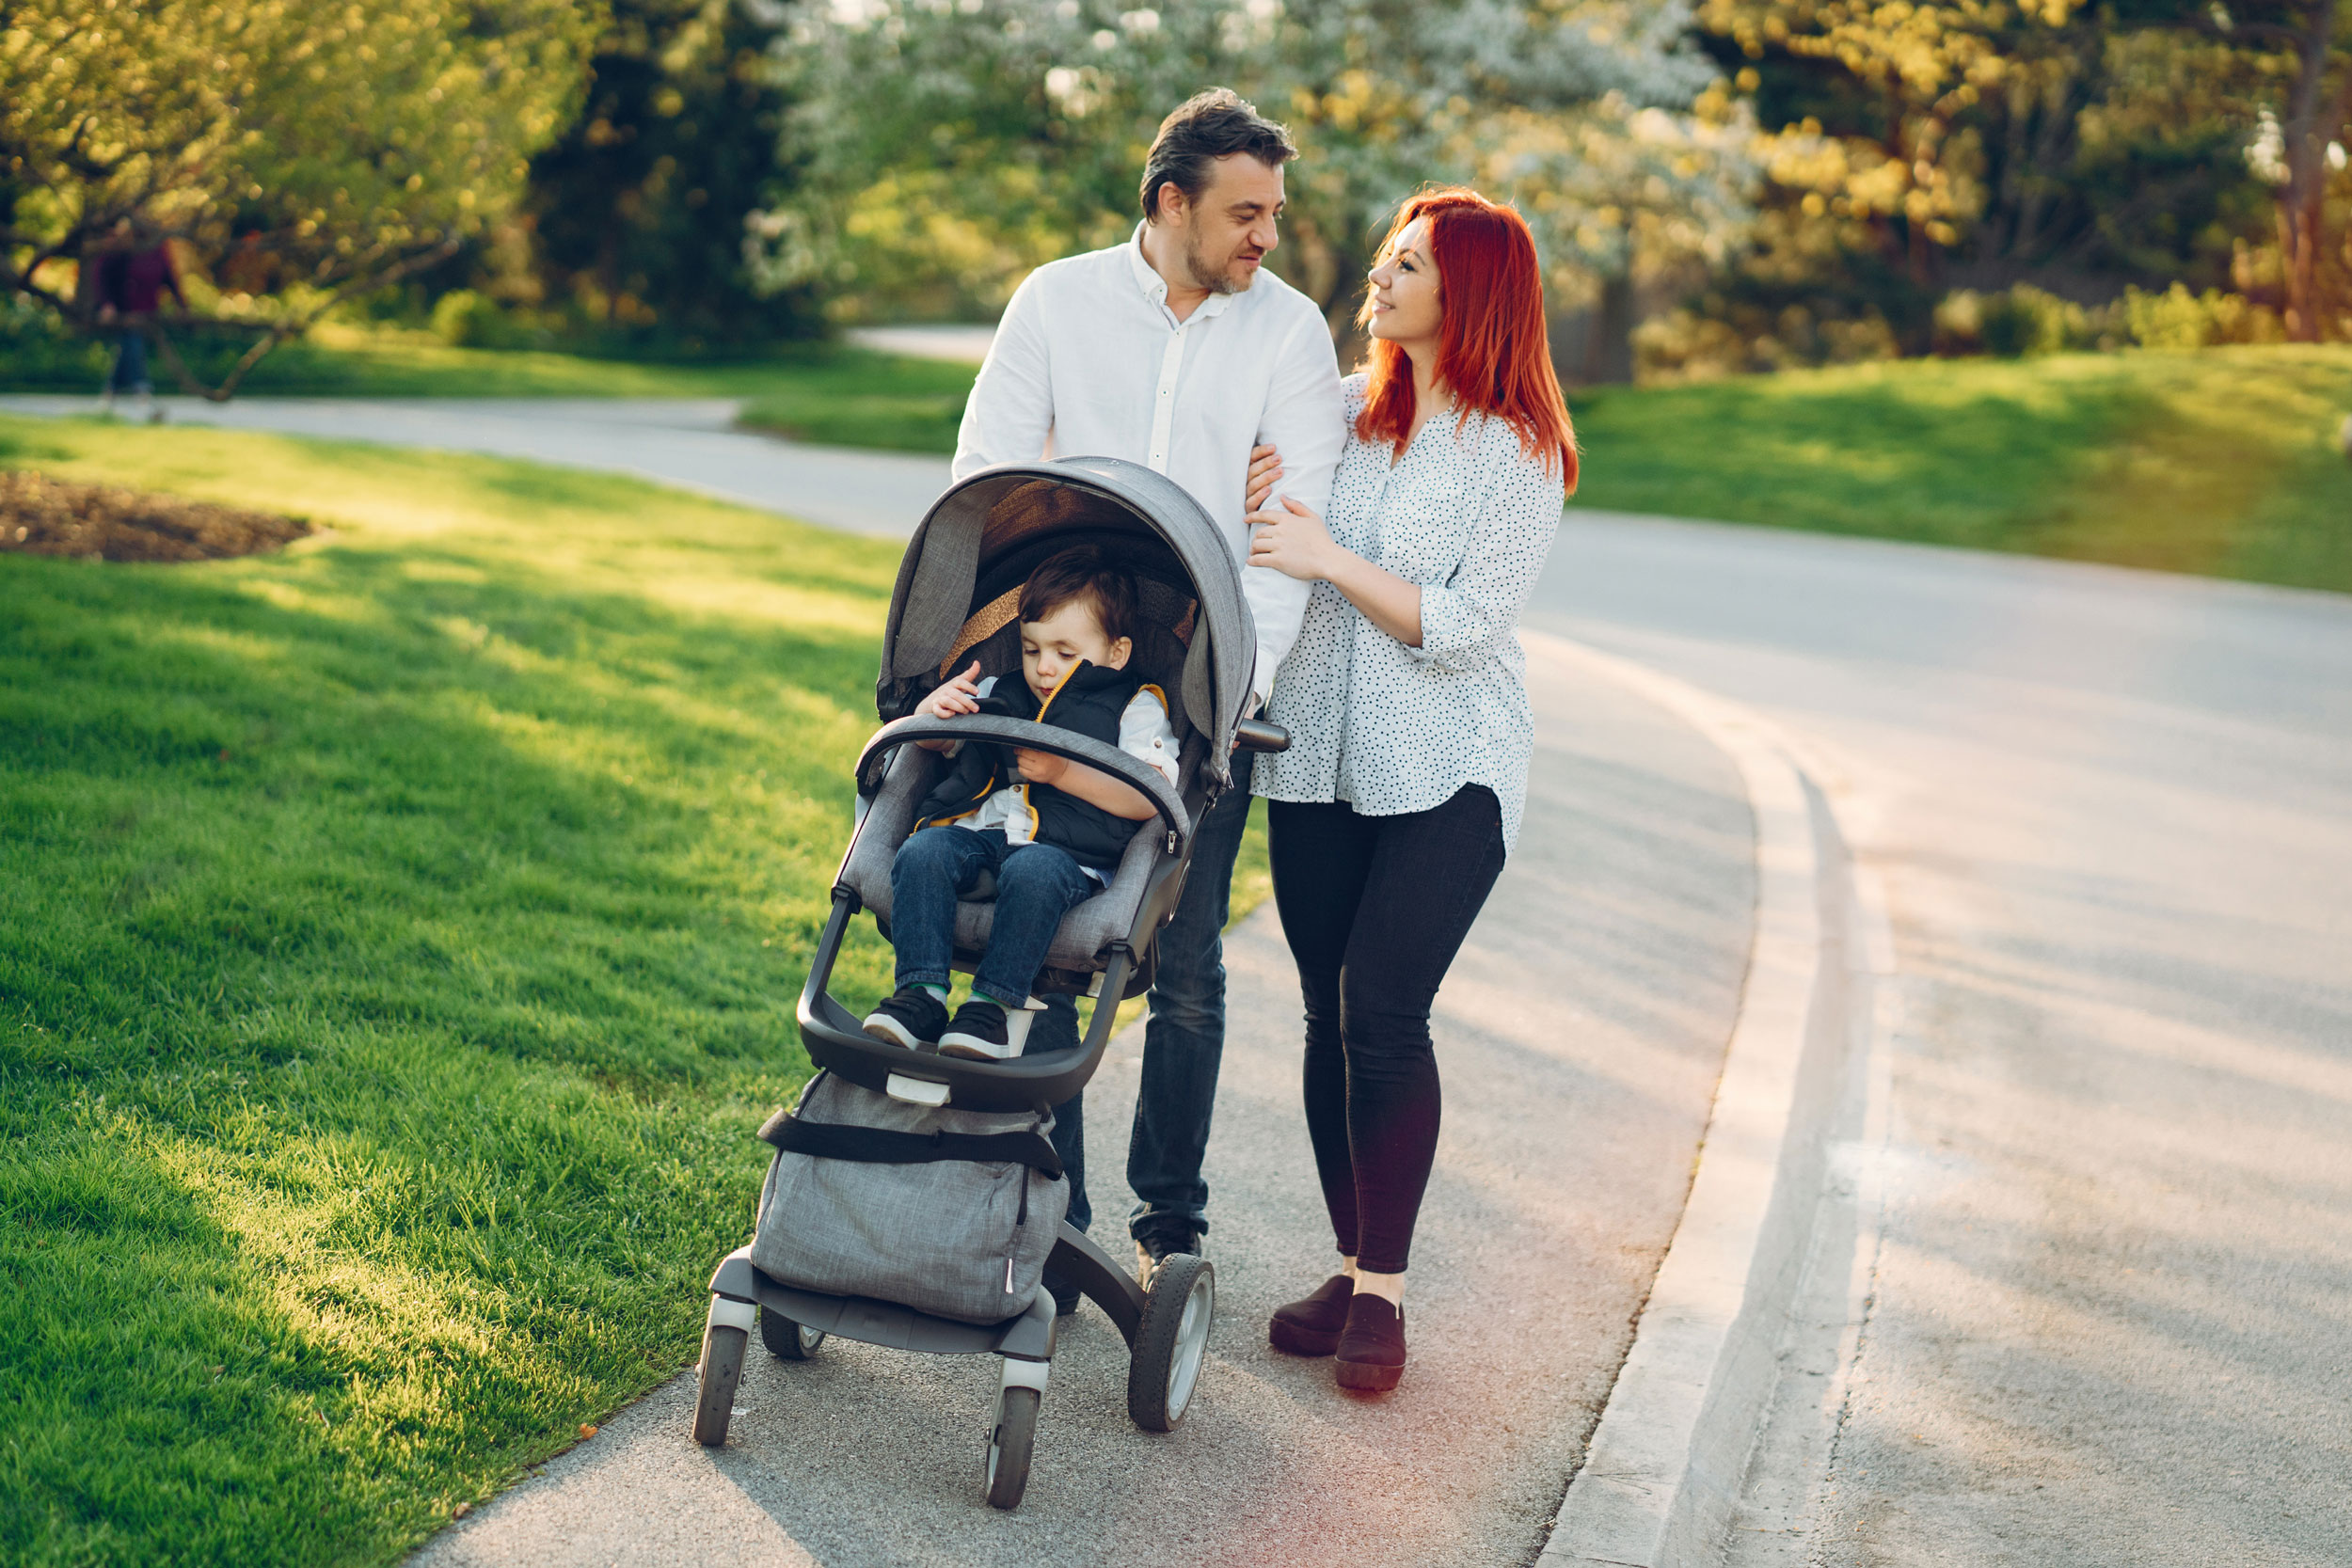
(1217, 280)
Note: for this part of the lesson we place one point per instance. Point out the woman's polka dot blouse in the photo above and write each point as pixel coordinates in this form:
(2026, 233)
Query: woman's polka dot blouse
(1468, 515)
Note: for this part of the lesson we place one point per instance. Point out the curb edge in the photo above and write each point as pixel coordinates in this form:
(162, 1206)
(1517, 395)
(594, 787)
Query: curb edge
(1662, 1475)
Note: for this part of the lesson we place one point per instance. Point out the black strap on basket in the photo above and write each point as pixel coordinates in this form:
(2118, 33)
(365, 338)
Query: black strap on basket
(874, 1147)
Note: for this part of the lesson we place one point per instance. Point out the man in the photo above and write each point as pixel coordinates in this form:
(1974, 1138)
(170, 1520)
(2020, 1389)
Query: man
(1176, 350)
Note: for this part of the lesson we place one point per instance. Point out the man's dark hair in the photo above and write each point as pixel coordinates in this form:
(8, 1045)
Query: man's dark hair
(1204, 128)
(1081, 572)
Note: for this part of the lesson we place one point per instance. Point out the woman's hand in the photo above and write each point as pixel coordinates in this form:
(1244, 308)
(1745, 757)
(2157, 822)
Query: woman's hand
(1265, 469)
(1042, 767)
(1292, 541)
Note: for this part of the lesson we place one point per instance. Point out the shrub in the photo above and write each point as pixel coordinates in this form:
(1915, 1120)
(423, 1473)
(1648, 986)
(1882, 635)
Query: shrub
(38, 350)
(465, 319)
(2019, 321)
(2178, 319)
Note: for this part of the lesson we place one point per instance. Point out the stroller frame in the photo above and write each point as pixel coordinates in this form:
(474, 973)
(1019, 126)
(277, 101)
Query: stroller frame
(1165, 1321)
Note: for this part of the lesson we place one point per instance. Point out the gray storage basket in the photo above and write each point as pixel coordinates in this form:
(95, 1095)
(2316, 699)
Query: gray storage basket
(961, 1239)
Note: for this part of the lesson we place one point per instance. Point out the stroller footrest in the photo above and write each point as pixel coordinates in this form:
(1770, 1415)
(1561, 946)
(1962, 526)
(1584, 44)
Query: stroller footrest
(1028, 1336)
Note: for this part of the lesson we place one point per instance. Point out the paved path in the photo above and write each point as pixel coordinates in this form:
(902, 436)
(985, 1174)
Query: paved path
(690, 442)
(961, 345)
(2107, 1242)
(1580, 1034)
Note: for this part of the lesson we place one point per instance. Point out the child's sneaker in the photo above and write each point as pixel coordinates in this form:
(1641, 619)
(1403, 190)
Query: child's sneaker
(978, 1033)
(912, 1018)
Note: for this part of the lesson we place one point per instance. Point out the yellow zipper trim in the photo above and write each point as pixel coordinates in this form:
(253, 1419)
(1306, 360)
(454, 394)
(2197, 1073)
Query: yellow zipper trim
(1036, 823)
(972, 809)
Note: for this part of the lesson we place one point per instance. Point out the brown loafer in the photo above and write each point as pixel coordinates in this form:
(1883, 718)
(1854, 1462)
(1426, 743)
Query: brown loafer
(1372, 1346)
(1311, 1327)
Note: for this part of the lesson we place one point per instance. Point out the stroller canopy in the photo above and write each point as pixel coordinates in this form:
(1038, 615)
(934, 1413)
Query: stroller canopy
(961, 580)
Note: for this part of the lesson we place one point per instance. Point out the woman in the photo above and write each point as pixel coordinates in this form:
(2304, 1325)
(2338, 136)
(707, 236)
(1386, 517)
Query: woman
(1410, 732)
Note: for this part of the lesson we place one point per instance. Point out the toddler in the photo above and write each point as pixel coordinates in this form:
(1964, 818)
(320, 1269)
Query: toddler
(1050, 831)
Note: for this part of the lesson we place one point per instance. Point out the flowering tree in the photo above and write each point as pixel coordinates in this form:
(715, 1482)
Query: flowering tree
(1621, 197)
(343, 145)
(955, 143)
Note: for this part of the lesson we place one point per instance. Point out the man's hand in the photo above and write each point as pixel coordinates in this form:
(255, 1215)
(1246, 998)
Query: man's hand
(1042, 767)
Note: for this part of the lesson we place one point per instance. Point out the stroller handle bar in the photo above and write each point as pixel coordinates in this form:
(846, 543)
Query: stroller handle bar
(1037, 737)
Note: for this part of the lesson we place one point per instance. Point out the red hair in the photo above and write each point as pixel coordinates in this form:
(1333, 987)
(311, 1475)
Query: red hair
(1492, 351)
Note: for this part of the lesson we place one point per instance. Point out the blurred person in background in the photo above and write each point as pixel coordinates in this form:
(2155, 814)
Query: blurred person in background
(132, 281)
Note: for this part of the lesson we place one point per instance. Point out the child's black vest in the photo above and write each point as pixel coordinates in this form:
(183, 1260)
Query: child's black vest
(1089, 702)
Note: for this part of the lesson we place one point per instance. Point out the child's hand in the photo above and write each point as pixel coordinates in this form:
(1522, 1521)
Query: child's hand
(959, 695)
(1041, 766)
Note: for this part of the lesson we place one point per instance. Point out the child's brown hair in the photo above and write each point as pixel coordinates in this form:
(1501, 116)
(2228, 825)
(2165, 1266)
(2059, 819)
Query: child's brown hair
(1081, 572)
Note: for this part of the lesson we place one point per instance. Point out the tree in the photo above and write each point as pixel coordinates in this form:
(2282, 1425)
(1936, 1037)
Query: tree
(638, 211)
(1894, 89)
(1983, 143)
(2301, 60)
(353, 143)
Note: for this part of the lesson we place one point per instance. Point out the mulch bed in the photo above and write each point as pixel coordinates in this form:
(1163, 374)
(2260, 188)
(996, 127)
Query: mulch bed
(52, 516)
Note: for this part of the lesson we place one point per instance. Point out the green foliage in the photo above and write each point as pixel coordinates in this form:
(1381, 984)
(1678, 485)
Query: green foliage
(2075, 148)
(39, 349)
(398, 941)
(2179, 319)
(2222, 462)
(952, 147)
(2027, 320)
(2021, 321)
(637, 212)
(343, 142)
(463, 319)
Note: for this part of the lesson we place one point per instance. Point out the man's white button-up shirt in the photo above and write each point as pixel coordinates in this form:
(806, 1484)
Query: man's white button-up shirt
(1089, 361)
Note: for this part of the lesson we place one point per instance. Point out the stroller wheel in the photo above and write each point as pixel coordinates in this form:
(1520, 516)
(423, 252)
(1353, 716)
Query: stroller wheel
(1009, 1447)
(721, 1371)
(1171, 1342)
(787, 1339)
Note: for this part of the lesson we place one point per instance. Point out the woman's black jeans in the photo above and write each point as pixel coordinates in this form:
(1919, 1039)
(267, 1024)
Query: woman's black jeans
(1375, 908)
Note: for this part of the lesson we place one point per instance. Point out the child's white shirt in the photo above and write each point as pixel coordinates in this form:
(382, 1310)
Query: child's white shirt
(1144, 733)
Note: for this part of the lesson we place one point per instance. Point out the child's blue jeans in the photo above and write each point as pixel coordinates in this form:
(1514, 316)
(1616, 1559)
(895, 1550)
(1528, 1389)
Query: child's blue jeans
(1036, 885)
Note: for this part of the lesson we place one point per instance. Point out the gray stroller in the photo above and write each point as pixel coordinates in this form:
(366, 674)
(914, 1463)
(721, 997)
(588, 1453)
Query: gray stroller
(955, 599)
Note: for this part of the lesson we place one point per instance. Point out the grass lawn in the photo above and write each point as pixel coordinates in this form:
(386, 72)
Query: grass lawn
(830, 392)
(398, 939)
(2220, 462)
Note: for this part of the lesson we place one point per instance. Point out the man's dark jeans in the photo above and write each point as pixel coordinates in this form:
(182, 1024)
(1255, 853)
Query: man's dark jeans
(1183, 1045)
(1036, 885)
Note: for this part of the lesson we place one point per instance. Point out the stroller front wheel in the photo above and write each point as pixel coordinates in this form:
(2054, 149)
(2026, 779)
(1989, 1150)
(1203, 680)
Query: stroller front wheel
(1010, 1444)
(785, 1339)
(1171, 1342)
(720, 1372)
